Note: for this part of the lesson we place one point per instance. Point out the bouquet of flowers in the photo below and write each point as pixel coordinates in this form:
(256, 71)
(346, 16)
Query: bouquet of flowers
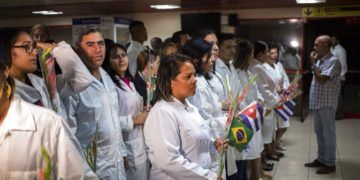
(47, 65)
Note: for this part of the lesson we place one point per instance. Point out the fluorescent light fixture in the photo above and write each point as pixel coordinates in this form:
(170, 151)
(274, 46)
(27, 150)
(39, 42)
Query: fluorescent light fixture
(49, 12)
(165, 6)
(294, 43)
(310, 1)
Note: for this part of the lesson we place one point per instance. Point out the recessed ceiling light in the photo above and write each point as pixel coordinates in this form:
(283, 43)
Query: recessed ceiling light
(310, 1)
(50, 12)
(165, 6)
(294, 43)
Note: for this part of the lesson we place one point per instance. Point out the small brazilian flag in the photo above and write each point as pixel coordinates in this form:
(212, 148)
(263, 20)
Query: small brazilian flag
(239, 134)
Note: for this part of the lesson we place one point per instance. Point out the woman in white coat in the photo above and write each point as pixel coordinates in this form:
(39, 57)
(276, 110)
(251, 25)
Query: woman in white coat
(284, 84)
(19, 48)
(28, 134)
(242, 60)
(131, 103)
(205, 99)
(267, 81)
(177, 136)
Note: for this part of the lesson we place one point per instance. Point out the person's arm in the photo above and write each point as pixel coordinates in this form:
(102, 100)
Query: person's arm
(165, 148)
(73, 69)
(317, 73)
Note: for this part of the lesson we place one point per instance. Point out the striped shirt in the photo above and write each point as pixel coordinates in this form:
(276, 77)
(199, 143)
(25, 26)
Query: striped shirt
(326, 95)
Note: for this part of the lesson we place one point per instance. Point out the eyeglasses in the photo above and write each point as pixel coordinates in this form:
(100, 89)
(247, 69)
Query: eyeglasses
(29, 48)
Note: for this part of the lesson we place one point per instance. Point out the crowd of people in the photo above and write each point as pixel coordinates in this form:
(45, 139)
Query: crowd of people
(101, 119)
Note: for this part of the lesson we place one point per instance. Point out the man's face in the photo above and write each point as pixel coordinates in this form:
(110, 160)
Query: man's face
(183, 39)
(320, 47)
(227, 50)
(92, 50)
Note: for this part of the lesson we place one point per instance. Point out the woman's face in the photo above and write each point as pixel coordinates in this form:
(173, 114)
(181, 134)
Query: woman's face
(184, 84)
(40, 35)
(264, 56)
(23, 54)
(119, 61)
(171, 50)
(273, 55)
(156, 64)
(207, 63)
(211, 38)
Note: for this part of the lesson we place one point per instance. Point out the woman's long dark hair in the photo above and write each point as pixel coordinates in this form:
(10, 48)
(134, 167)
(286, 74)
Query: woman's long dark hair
(243, 54)
(168, 69)
(4, 80)
(106, 65)
(196, 49)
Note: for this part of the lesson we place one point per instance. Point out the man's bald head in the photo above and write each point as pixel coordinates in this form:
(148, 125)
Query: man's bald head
(322, 45)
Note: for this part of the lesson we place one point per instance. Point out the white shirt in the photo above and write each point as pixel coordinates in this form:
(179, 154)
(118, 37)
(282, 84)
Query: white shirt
(291, 61)
(133, 51)
(284, 83)
(98, 105)
(223, 71)
(340, 53)
(27, 129)
(74, 75)
(217, 86)
(207, 102)
(179, 141)
(253, 93)
(131, 103)
(267, 80)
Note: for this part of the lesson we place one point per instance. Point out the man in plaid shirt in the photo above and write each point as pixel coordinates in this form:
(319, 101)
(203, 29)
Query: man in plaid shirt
(324, 93)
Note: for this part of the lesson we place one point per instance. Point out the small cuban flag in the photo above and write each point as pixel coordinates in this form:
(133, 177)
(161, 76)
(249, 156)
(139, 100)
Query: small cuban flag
(252, 115)
(286, 110)
(239, 135)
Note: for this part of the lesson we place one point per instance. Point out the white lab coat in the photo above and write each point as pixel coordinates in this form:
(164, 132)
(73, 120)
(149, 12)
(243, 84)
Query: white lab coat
(74, 74)
(179, 142)
(217, 86)
(223, 70)
(256, 145)
(27, 129)
(132, 103)
(340, 53)
(98, 105)
(133, 51)
(284, 84)
(268, 82)
(209, 107)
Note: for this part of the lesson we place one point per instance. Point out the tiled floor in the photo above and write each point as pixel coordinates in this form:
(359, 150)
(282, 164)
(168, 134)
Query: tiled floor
(301, 146)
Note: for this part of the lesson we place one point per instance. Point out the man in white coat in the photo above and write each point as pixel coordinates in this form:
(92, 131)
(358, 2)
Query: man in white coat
(138, 37)
(93, 114)
(340, 53)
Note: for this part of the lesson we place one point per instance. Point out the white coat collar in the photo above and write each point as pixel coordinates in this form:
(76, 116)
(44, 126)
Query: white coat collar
(179, 104)
(28, 93)
(19, 117)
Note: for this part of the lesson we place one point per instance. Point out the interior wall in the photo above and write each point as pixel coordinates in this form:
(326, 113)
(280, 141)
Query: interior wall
(161, 24)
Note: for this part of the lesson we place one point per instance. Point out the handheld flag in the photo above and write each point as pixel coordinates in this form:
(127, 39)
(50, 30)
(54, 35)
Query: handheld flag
(286, 110)
(250, 116)
(239, 135)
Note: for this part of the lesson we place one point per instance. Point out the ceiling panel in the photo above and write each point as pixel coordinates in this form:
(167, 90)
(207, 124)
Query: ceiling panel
(23, 8)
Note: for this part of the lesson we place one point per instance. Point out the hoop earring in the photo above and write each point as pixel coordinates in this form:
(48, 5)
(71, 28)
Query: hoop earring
(8, 90)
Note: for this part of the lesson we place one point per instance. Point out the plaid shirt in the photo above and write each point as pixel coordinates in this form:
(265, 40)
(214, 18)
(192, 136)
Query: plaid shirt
(326, 95)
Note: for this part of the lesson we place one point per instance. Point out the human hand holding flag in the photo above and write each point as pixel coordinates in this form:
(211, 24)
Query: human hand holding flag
(239, 132)
(47, 65)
